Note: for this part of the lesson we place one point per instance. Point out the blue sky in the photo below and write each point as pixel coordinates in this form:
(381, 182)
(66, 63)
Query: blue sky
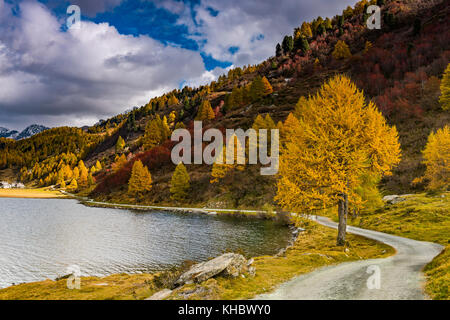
(128, 51)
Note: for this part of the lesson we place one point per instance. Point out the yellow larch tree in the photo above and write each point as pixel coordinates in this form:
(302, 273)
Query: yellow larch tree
(140, 181)
(341, 50)
(338, 139)
(445, 89)
(180, 183)
(437, 160)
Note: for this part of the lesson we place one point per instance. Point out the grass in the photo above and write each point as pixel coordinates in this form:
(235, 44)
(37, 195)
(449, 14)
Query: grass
(119, 286)
(420, 217)
(314, 248)
(42, 193)
(438, 276)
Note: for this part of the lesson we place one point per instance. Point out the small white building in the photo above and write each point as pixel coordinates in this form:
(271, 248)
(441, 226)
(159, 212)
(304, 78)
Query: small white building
(14, 185)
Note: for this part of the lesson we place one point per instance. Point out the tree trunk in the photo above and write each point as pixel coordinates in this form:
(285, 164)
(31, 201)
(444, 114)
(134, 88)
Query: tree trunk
(342, 227)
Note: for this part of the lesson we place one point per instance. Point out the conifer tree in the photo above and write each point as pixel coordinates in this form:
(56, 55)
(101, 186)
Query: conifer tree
(256, 88)
(437, 160)
(73, 185)
(278, 50)
(90, 179)
(445, 89)
(306, 30)
(267, 86)
(120, 144)
(173, 100)
(119, 161)
(339, 138)
(98, 166)
(140, 181)
(152, 136)
(76, 173)
(341, 51)
(205, 111)
(165, 130)
(180, 183)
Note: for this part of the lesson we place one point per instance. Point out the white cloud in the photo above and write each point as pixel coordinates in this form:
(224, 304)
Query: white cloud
(56, 78)
(240, 23)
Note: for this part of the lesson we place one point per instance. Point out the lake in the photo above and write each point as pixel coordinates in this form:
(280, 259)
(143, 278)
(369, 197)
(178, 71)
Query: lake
(41, 238)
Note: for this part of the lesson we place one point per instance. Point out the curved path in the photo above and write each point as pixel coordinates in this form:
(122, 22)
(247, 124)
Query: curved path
(400, 276)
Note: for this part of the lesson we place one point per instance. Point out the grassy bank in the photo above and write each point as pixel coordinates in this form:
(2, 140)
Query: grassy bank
(420, 217)
(314, 248)
(41, 193)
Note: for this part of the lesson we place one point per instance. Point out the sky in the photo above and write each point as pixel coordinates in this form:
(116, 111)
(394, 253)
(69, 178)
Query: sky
(128, 51)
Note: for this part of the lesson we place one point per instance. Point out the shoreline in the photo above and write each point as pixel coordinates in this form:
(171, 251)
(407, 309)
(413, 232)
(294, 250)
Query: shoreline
(29, 193)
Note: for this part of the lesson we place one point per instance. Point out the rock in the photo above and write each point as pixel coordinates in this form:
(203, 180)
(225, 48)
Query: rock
(228, 264)
(160, 295)
(393, 199)
(252, 271)
(250, 262)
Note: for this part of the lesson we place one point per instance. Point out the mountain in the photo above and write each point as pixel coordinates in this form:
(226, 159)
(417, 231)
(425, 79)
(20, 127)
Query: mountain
(6, 133)
(31, 131)
(26, 133)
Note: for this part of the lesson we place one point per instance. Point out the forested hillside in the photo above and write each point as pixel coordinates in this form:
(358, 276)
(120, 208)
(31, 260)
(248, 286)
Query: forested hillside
(399, 68)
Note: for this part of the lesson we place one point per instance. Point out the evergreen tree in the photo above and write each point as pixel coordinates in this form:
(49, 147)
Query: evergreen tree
(180, 183)
(288, 44)
(278, 50)
(140, 181)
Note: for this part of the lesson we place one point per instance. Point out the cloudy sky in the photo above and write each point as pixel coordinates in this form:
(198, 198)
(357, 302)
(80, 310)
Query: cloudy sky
(127, 51)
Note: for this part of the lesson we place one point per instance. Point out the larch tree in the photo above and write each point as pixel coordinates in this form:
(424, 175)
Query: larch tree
(98, 166)
(205, 111)
(180, 183)
(445, 89)
(173, 101)
(120, 144)
(73, 185)
(338, 139)
(341, 51)
(119, 161)
(306, 30)
(140, 181)
(267, 87)
(437, 160)
(152, 136)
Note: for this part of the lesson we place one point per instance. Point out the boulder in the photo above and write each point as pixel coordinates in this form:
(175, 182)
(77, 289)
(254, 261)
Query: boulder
(228, 264)
(393, 199)
(160, 295)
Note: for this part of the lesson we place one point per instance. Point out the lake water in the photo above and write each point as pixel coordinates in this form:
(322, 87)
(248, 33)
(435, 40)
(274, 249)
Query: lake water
(41, 238)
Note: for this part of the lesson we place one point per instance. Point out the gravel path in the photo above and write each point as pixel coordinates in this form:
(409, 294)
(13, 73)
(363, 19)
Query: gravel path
(400, 276)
